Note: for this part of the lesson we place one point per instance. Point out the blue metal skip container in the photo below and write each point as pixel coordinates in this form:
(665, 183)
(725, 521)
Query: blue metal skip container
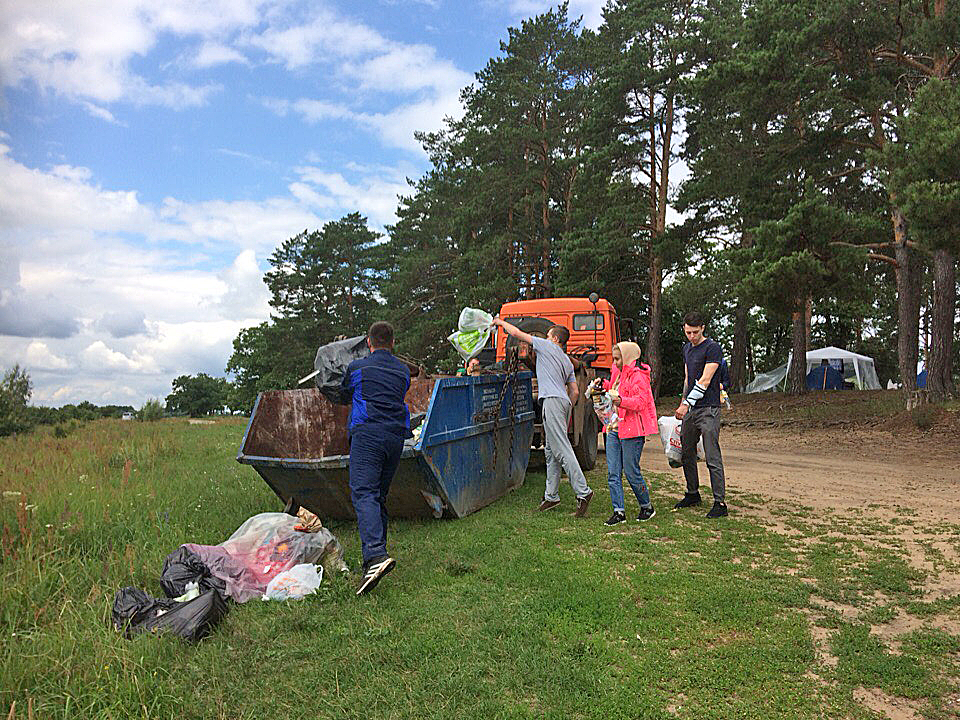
(472, 447)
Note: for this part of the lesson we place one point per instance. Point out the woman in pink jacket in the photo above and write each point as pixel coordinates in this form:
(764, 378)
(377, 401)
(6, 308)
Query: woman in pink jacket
(636, 417)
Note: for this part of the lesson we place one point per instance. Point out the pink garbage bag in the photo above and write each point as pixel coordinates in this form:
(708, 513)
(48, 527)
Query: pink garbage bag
(262, 548)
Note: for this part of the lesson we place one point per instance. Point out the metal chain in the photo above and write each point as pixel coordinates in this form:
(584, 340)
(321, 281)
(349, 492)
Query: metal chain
(512, 363)
(515, 368)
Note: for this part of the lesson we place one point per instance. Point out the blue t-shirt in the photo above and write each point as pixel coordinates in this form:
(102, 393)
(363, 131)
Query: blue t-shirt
(695, 357)
(376, 385)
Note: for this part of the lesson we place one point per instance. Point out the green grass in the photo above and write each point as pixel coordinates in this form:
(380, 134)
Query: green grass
(504, 614)
(815, 408)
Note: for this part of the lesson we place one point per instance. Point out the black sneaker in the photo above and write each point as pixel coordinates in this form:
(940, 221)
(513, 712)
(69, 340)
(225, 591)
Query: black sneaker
(646, 514)
(719, 509)
(373, 574)
(616, 519)
(688, 500)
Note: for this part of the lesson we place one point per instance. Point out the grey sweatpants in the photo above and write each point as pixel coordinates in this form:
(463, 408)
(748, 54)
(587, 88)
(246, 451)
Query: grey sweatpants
(559, 452)
(703, 422)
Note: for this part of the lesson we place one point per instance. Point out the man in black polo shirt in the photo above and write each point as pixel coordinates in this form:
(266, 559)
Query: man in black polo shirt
(700, 412)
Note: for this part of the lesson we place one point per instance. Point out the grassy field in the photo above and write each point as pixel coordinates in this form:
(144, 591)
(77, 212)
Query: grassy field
(504, 614)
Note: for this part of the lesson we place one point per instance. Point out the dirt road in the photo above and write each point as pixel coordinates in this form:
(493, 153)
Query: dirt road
(842, 469)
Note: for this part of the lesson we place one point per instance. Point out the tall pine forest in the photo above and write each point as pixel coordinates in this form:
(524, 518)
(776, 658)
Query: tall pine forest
(789, 168)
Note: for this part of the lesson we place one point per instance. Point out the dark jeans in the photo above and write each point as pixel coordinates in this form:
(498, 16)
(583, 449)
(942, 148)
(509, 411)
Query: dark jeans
(374, 456)
(703, 422)
(623, 456)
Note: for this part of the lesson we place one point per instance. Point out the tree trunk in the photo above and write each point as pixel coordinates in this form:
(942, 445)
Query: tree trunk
(740, 372)
(940, 366)
(654, 321)
(545, 208)
(738, 358)
(908, 303)
(797, 373)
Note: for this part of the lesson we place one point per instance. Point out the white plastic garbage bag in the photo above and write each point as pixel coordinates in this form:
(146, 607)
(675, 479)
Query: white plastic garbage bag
(670, 437)
(473, 331)
(297, 582)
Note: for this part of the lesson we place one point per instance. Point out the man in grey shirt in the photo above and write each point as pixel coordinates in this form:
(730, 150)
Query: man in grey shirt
(558, 391)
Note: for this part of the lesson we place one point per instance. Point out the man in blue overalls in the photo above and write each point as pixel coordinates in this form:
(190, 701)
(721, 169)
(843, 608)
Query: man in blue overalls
(379, 423)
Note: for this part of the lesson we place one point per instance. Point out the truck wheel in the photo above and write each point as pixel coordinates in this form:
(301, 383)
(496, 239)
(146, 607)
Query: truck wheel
(538, 327)
(586, 449)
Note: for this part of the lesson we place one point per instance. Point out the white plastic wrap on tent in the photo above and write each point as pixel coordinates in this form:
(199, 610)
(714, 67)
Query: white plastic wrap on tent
(857, 369)
(767, 380)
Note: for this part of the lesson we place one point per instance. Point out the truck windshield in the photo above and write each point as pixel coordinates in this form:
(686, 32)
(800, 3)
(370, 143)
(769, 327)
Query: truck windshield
(586, 322)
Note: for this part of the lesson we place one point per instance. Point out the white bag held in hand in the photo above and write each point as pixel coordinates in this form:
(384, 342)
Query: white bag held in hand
(295, 583)
(473, 331)
(670, 437)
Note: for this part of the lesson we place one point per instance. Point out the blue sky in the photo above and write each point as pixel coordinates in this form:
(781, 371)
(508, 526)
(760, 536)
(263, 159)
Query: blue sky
(152, 156)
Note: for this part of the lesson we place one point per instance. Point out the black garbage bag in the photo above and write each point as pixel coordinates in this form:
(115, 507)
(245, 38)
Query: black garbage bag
(183, 566)
(132, 607)
(135, 612)
(331, 364)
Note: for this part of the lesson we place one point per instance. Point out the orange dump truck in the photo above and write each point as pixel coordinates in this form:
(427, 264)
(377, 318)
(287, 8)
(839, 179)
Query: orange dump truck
(594, 329)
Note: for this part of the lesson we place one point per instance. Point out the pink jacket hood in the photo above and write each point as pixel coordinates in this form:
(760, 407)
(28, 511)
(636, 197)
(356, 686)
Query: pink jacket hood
(637, 414)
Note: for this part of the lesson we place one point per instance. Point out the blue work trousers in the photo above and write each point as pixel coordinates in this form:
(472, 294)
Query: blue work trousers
(374, 456)
(623, 456)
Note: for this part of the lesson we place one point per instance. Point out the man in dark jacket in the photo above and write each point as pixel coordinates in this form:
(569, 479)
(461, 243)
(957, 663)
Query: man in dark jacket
(379, 423)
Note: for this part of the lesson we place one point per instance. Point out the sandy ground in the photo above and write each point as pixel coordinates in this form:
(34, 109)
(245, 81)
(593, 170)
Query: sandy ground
(842, 469)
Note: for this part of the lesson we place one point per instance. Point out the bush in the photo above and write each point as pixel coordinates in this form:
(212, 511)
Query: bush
(61, 430)
(15, 390)
(152, 410)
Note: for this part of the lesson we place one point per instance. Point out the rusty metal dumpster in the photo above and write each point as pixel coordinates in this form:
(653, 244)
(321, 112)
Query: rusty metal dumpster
(471, 449)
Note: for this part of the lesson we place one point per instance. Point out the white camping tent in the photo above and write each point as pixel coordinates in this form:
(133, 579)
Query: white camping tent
(857, 369)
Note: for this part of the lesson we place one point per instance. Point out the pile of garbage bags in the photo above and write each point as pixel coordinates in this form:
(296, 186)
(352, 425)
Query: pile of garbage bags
(274, 556)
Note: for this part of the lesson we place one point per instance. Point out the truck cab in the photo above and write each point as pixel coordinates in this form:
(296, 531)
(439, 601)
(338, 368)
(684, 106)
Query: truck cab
(594, 327)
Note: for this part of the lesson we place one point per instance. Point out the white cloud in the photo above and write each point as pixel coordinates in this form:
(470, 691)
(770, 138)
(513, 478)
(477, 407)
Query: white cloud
(408, 68)
(246, 295)
(394, 128)
(97, 358)
(84, 50)
(591, 10)
(324, 35)
(214, 53)
(361, 63)
(67, 48)
(106, 297)
(258, 224)
(373, 190)
(316, 110)
(38, 356)
(397, 127)
(99, 112)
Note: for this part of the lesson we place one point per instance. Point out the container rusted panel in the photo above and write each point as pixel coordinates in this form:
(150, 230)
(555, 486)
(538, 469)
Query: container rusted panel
(303, 424)
(297, 424)
(473, 448)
